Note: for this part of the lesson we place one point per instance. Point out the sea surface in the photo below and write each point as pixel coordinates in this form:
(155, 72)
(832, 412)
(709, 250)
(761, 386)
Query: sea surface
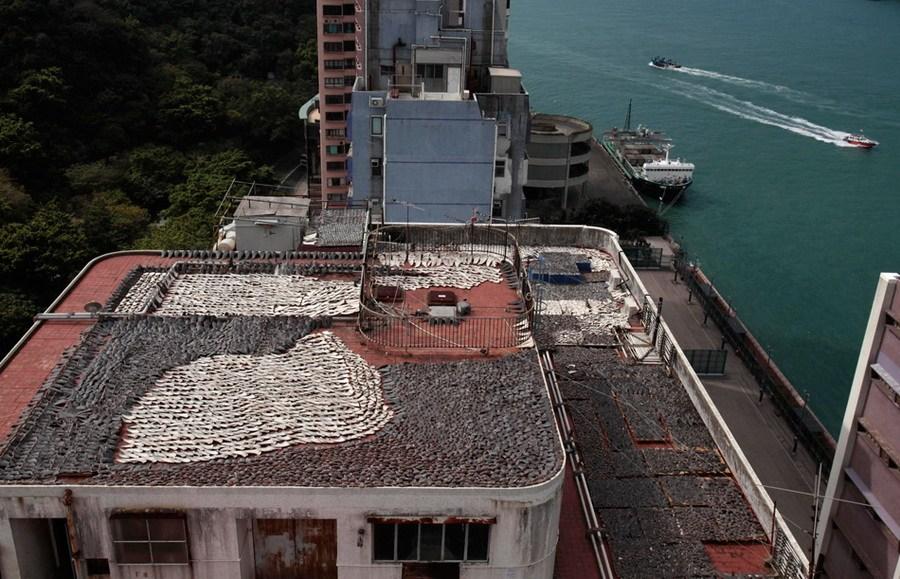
(792, 227)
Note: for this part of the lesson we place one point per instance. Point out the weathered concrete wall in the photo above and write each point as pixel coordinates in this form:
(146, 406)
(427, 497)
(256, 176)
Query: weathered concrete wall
(521, 546)
(253, 235)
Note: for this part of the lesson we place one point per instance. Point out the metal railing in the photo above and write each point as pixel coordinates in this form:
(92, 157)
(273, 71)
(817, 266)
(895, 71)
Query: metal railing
(805, 425)
(395, 328)
(707, 362)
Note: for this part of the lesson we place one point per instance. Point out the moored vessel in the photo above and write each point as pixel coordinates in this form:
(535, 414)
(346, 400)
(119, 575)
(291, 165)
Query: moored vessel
(643, 156)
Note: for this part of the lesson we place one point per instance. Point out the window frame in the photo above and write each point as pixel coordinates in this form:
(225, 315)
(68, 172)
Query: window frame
(150, 541)
(376, 120)
(443, 545)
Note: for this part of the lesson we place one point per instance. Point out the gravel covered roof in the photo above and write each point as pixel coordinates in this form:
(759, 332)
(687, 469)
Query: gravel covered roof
(656, 479)
(471, 423)
(340, 227)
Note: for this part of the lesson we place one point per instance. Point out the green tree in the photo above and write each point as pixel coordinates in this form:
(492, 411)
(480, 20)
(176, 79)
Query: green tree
(192, 230)
(40, 92)
(44, 253)
(111, 222)
(20, 143)
(16, 313)
(189, 111)
(208, 180)
(630, 222)
(98, 175)
(152, 172)
(15, 203)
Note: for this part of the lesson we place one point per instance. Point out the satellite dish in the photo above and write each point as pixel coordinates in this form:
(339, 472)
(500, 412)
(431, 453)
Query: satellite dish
(93, 307)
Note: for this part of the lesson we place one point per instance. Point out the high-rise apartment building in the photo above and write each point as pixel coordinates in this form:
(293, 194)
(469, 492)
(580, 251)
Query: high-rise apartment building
(341, 27)
(859, 533)
(439, 121)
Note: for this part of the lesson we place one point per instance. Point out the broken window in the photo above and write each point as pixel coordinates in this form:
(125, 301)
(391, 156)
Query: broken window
(150, 539)
(430, 542)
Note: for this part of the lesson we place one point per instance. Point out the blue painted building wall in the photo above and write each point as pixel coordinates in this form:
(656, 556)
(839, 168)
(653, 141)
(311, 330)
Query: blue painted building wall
(436, 155)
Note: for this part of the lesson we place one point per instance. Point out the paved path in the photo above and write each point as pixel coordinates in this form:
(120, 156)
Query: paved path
(764, 437)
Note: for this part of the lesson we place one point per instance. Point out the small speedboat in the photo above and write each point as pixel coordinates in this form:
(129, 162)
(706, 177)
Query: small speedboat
(663, 62)
(860, 141)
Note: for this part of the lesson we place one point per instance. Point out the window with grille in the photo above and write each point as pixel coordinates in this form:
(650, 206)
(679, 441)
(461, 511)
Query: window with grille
(150, 539)
(331, 10)
(430, 542)
(334, 47)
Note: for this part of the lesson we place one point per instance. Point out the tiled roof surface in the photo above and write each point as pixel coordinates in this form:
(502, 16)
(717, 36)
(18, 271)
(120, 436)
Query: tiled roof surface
(21, 378)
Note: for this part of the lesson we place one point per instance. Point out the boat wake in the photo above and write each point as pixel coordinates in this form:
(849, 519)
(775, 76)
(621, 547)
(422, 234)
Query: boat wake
(739, 81)
(753, 112)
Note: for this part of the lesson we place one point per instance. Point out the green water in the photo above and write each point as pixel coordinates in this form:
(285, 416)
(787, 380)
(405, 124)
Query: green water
(793, 228)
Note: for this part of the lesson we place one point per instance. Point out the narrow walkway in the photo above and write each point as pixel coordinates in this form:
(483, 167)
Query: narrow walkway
(763, 435)
(574, 553)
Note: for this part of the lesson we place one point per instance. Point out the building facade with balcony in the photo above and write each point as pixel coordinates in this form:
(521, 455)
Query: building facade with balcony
(859, 531)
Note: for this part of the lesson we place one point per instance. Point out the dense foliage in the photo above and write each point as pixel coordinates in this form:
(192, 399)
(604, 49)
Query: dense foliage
(121, 124)
(631, 222)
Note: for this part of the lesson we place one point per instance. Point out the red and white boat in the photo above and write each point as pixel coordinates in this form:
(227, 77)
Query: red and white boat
(860, 141)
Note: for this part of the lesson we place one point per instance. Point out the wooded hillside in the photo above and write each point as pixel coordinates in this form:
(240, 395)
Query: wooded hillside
(121, 124)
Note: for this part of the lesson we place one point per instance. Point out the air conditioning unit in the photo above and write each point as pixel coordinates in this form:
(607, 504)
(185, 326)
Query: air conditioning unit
(376, 102)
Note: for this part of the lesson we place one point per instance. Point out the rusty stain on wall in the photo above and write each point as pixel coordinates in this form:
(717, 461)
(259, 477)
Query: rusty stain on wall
(291, 548)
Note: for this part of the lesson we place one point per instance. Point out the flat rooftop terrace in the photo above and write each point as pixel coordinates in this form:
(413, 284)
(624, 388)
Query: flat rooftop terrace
(251, 373)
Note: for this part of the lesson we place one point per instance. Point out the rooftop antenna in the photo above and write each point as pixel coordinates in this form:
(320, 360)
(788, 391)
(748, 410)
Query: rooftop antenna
(628, 117)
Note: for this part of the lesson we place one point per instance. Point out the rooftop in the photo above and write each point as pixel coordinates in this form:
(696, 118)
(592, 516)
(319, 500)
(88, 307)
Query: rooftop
(655, 476)
(543, 123)
(272, 206)
(250, 372)
(411, 364)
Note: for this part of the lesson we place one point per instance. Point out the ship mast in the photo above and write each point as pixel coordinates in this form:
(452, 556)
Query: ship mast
(628, 117)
